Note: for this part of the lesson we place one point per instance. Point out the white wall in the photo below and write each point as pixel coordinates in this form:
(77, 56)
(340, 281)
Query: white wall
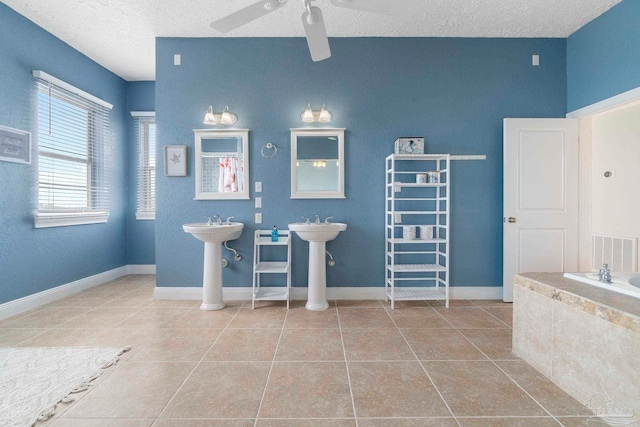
(616, 147)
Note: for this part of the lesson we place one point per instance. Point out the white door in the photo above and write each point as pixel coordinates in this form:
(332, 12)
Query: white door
(540, 197)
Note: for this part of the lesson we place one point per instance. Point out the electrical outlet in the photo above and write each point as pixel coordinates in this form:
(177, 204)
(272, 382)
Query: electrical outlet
(258, 186)
(258, 202)
(398, 218)
(258, 218)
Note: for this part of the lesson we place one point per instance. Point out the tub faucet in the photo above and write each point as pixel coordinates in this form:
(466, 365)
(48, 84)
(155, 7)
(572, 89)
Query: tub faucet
(604, 275)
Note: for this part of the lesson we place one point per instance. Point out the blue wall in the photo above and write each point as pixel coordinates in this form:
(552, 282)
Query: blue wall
(454, 92)
(33, 260)
(140, 234)
(603, 57)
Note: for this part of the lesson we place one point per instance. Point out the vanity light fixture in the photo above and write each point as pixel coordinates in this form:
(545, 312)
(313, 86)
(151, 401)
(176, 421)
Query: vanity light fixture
(224, 118)
(316, 116)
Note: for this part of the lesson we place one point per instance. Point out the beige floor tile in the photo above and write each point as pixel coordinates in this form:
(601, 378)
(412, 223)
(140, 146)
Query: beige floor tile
(423, 318)
(376, 344)
(137, 389)
(405, 304)
(307, 390)
(178, 345)
(249, 345)
(407, 422)
(394, 389)
(508, 422)
(480, 389)
(203, 423)
(105, 422)
(302, 318)
(495, 343)
(441, 344)
(550, 396)
(491, 303)
(171, 303)
(120, 337)
(46, 318)
(470, 318)
(153, 318)
(12, 337)
(62, 338)
(584, 422)
(452, 303)
(196, 318)
(261, 318)
(282, 422)
(131, 299)
(310, 345)
(100, 318)
(220, 390)
(364, 318)
(504, 314)
(360, 303)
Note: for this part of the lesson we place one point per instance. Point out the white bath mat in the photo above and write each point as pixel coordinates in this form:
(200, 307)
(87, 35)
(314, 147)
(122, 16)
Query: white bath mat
(34, 380)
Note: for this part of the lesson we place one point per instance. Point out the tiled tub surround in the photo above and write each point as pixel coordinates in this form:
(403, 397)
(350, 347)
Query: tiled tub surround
(585, 339)
(357, 364)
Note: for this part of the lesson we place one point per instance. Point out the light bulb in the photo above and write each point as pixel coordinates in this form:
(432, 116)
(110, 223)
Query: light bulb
(209, 117)
(325, 115)
(307, 115)
(226, 119)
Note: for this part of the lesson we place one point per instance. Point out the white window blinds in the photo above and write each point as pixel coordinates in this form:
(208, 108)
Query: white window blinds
(73, 171)
(145, 124)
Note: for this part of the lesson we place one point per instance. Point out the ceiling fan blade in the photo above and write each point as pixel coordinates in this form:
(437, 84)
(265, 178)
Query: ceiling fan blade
(246, 15)
(384, 7)
(316, 33)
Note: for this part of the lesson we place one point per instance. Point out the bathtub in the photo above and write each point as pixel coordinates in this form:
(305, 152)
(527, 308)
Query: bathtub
(624, 283)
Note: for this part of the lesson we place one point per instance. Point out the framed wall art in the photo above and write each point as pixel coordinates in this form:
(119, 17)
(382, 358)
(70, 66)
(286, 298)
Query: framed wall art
(15, 145)
(175, 160)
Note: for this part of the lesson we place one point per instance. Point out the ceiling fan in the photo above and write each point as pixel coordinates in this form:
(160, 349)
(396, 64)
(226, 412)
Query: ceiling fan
(312, 19)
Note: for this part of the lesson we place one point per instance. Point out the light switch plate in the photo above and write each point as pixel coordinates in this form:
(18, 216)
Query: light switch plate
(258, 218)
(258, 202)
(177, 59)
(258, 186)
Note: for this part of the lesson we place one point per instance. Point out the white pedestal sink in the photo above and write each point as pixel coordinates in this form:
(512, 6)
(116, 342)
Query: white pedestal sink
(317, 235)
(213, 235)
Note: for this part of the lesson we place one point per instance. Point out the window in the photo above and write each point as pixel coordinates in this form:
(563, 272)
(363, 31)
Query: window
(73, 173)
(146, 136)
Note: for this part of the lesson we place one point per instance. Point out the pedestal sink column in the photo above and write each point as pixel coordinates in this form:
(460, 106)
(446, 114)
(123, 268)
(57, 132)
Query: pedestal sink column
(212, 277)
(317, 287)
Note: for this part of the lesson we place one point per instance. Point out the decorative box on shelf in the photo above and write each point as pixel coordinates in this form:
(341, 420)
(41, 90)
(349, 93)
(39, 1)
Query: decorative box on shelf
(409, 145)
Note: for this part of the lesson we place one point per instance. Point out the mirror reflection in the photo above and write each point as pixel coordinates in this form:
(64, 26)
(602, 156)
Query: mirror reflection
(317, 169)
(222, 164)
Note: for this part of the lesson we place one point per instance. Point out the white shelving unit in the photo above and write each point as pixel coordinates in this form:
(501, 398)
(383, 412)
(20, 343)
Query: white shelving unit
(417, 269)
(262, 241)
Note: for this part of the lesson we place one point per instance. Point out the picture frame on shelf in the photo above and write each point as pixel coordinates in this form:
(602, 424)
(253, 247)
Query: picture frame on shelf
(175, 160)
(15, 145)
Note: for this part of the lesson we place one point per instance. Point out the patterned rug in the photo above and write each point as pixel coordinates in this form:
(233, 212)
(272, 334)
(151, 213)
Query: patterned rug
(34, 380)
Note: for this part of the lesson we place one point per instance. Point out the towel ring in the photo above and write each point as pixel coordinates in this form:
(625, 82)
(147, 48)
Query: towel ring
(269, 146)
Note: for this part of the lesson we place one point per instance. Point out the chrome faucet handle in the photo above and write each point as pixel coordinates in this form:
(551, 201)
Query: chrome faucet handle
(326, 221)
(317, 219)
(218, 219)
(306, 220)
(229, 220)
(209, 220)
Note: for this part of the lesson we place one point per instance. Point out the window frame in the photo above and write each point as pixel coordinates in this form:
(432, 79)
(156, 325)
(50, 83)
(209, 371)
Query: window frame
(142, 120)
(96, 109)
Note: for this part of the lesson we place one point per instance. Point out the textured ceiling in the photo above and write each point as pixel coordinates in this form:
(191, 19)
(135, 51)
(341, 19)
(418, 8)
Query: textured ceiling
(119, 34)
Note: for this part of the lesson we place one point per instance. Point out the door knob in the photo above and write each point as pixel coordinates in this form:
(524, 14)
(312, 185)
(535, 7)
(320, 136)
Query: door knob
(512, 220)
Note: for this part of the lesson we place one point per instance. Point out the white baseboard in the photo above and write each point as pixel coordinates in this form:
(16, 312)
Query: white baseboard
(29, 302)
(141, 269)
(333, 293)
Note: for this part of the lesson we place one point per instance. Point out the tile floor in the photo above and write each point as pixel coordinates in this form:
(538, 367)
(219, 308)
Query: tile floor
(357, 364)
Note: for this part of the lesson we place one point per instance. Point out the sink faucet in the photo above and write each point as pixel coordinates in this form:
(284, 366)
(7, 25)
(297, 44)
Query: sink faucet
(604, 275)
(317, 219)
(218, 219)
(326, 221)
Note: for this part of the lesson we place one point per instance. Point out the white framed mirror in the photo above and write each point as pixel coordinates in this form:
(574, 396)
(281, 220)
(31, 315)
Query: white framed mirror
(317, 163)
(222, 164)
